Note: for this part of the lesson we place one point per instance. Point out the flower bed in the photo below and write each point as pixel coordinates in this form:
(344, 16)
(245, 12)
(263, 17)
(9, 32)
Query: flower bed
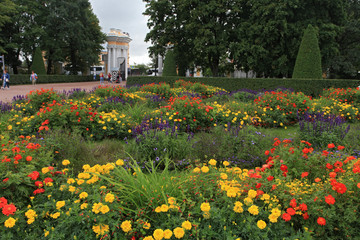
(291, 189)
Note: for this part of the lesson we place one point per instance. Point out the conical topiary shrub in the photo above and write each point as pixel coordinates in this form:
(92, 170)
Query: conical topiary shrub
(308, 60)
(169, 64)
(38, 63)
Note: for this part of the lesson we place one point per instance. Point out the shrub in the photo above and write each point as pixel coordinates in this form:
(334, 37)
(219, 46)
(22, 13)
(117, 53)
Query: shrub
(169, 64)
(38, 63)
(308, 60)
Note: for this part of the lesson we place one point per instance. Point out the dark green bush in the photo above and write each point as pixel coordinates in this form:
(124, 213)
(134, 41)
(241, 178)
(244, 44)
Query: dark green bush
(20, 79)
(169, 64)
(308, 60)
(38, 63)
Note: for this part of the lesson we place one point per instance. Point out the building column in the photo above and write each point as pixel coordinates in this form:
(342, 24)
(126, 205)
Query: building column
(114, 58)
(109, 60)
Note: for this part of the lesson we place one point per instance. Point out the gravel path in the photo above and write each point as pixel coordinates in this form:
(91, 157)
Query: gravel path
(8, 94)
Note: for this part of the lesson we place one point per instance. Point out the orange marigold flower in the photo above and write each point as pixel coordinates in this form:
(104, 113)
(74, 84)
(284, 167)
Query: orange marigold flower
(9, 209)
(329, 199)
(332, 174)
(317, 179)
(293, 202)
(331, 145)
(304, 174)
(291, 211)
(358, 185)
(286, 217)
(321, 221)
(303, 207)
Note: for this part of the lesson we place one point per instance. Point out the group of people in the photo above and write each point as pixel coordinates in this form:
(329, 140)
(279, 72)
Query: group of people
(109, 78)
(5, 79)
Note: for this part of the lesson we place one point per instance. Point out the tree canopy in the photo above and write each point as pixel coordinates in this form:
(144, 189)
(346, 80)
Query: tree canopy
(259, 35)
(68, 31)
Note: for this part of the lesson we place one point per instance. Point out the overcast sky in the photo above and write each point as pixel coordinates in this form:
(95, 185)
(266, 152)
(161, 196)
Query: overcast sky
(127, 16)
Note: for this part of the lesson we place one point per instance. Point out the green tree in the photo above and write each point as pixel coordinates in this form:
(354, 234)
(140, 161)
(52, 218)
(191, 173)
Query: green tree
(7, 9)
(308, 61)
(169, 64)
(38, 63)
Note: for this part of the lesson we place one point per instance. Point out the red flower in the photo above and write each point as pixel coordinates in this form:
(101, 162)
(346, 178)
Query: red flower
(46, 180)
(40, 190)
(28, 158)
(340, 147)
(5, 180)
(34, 175)
(340, 188)
(303, 207)
(39, 183)
(270, 178)
(286, 217)
(331, 145)
(338, 164)
(291, 211)
(267, 152)
(17, 157)
(305, 216)
(329, 199)
(258, 185)
(304, 174)
(9, 209)
(321, 221)
(3, 202)
(283, 167)
(293, 202)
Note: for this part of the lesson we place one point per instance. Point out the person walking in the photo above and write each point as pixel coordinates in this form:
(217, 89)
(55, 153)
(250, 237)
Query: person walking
(109, 78)
(6, 79)
(33, 78)
(101, 78)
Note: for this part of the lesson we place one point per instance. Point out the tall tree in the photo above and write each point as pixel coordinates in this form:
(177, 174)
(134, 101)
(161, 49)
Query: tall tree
(38, 63)
(7, 9)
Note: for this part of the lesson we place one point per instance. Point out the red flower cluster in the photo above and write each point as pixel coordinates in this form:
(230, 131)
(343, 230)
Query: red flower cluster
(7, 209)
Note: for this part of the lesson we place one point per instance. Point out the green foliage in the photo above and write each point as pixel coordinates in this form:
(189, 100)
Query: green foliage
(308, 61)
(24, 79)
(169, 64)
(38, 63)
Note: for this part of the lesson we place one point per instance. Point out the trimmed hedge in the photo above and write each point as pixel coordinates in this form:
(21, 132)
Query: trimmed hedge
(313, 87)
(19, 79)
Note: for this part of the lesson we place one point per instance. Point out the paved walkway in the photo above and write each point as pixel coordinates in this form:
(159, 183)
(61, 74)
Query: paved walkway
(8, 94)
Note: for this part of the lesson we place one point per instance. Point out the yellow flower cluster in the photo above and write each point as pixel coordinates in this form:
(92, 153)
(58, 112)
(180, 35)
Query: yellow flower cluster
(31, 215)
(100, 229)
(99, 207)
(126, 226)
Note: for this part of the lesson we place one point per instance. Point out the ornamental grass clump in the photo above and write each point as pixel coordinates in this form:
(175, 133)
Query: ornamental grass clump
(320, 129)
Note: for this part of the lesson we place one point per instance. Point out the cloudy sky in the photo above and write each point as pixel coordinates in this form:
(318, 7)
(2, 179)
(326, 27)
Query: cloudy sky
(127, 16)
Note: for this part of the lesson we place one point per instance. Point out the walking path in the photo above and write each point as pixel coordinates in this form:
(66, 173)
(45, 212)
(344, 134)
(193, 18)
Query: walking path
(8, 94)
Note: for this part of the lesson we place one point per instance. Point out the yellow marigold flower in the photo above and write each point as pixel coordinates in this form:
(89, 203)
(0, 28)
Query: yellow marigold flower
(86, 167)
(70, 181)
(273, 218)
(146, 225)
(84, 205)
(30, 213)
(65, 162)
(148, 238)
(261, 224)
(226, 163)
(205, 169)
(254, 210)
(120, 162)
(46, 233)
(196, 170)
(60, 204)
(10, 222)
(158, 209)
(80, 181)
(206, 215)
(72, 189)
(100, 229)
(186, 225)
(126, 226)
(168, 233)
(96, 207)
(158, 234)
(30, 220)
(83, 195)
(252, 193)
(9, 127)
(171, 200)
(179, 232)
(164, 208)
(231, 192)
(104, 209)
(45, 170)
(104, 127)
(223, 176)
(265, 197)
(238, 207)
(205, 207)
(212, 162)
(55, 215)
(109, 198)
(248, 201)
(276, 211)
